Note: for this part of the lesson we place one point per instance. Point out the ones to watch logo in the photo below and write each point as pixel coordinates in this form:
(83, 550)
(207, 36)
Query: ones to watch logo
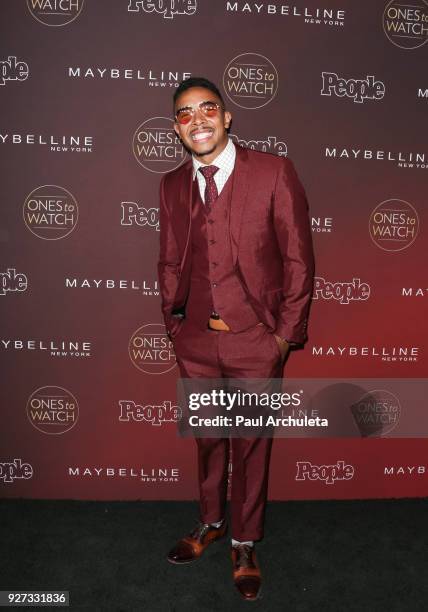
(55, 12)
(150, 349)
(405, 23)
(50, 212)
(250, 80)
(394, 225)
(377, 412)
(156, 146)
(52, 410)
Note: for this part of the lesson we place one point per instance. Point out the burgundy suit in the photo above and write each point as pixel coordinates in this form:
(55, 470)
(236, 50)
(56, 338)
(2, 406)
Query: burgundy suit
(249, 257)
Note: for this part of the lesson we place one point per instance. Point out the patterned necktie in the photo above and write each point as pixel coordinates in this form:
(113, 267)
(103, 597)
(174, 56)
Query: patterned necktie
(211, 193)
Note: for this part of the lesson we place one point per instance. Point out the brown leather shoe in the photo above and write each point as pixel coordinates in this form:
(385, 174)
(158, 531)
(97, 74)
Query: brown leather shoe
(246, 572)
(193, 545)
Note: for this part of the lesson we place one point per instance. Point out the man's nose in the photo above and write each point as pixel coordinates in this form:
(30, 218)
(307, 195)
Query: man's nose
(198, 116)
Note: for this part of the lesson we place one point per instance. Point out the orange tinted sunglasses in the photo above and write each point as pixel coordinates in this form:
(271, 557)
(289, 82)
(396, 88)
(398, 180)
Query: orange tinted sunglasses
(209, 109)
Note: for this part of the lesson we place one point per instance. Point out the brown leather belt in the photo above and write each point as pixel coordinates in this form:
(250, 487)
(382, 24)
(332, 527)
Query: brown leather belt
(220, 325)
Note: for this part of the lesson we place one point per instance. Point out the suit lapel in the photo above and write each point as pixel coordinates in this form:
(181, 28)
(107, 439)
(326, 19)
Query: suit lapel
(238, 198)
(184, 216)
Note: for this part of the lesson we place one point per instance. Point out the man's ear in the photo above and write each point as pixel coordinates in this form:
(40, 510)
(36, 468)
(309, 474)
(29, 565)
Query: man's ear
(227, 119)
(176, 129)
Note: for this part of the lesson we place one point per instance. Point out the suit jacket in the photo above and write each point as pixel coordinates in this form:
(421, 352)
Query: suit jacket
(270, 238)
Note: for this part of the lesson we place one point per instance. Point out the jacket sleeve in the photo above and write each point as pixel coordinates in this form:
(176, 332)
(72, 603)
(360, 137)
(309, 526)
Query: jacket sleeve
(168, 264)
(293, 232)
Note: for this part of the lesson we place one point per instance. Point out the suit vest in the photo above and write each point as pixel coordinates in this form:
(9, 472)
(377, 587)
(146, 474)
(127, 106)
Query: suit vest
(214, 284)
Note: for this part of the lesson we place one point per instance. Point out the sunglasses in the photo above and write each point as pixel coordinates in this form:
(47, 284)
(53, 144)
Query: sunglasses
(185, 115)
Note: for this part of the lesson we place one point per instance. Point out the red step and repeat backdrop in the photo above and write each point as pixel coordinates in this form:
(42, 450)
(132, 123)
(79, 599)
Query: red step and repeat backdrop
(88, 376)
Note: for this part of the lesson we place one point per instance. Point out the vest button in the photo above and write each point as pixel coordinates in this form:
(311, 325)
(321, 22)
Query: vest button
(212, 241)
(210, 221)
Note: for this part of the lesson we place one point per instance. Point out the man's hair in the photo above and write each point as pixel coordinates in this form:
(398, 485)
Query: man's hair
(197, 82)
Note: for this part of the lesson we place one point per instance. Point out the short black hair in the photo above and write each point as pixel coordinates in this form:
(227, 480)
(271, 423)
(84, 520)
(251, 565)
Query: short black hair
(197, 82)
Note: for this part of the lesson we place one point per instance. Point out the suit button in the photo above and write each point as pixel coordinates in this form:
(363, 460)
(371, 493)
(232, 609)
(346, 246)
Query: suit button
(214, 284)
(212, 241)
(214, 263)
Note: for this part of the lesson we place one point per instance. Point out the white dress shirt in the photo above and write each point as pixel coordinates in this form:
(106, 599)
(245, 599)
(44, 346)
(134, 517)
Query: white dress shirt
(225, 163)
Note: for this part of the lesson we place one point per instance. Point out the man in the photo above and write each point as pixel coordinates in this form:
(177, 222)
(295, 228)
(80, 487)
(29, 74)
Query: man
(235, 272)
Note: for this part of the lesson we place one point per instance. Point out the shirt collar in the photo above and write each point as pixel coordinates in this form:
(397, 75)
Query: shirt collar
(222, 161)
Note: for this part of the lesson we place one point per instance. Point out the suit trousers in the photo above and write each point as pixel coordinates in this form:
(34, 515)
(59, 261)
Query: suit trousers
(252, 353)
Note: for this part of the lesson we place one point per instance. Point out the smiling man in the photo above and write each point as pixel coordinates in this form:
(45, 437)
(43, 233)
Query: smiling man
(235, 271)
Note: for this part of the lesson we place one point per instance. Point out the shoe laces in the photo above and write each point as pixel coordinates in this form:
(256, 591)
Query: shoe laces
(200, 531)
(244, 558)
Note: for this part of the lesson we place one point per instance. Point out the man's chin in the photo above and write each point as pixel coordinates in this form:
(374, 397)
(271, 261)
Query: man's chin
(202, 151)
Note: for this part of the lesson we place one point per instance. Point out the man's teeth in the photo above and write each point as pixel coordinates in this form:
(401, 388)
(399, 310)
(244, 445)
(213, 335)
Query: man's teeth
(201, 135)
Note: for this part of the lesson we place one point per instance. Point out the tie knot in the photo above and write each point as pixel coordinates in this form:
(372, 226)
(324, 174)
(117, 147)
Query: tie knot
(208, 171)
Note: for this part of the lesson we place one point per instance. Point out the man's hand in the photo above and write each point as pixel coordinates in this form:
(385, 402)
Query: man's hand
(284, 347)
(176, 322)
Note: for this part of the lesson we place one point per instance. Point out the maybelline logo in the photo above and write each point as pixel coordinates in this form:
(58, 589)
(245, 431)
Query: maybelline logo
(402, 160)
(391, 354)
(11, 70)
(153, 414)
(145, 287)
(405, 470)
(357, 90)
(318, 16)
(13, 470)
(62, 348)
(342, 292)
(326, 473)
(134, 214)
(414, 291)
(322, 225)
(423, 93)
(162, 78)
(167, 8)
(57, 144)
(11, 281)
(269, 145)
(164, 474)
